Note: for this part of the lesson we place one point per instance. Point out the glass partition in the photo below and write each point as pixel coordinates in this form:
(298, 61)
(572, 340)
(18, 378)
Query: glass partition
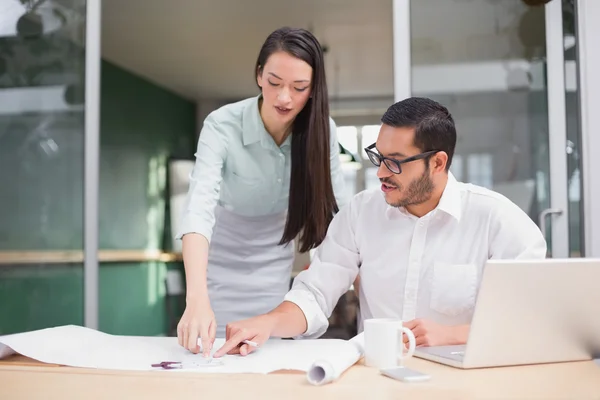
(494, 65)
(42, 163)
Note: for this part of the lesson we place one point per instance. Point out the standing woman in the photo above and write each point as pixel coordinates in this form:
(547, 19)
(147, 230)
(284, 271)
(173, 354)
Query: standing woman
(267, 171)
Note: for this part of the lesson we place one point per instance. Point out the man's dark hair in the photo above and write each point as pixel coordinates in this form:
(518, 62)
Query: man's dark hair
(432, 122)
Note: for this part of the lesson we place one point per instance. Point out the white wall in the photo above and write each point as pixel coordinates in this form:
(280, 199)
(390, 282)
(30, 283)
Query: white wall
(501, 124)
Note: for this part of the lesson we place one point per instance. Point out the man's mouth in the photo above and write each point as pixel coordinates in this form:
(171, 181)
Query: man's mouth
(386, 187)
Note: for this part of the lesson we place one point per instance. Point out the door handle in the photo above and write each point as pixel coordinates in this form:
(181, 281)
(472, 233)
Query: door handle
(544, 214)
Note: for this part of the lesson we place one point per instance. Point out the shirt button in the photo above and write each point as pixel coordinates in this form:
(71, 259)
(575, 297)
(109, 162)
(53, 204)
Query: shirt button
(279, 180)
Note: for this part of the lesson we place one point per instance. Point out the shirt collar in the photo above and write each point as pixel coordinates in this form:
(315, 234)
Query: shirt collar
(450, 202)
(254, 128)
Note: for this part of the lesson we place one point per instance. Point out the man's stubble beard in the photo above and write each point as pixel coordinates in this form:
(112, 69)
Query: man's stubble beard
(418, 192)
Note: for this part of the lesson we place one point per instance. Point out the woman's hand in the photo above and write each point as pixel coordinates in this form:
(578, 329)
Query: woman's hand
(198, 320)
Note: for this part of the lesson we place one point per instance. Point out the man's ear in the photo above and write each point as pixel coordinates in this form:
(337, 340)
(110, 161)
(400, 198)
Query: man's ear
(440, 160)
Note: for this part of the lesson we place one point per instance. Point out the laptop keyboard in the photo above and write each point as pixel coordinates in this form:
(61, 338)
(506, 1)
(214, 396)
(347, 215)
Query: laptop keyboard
(455, 355)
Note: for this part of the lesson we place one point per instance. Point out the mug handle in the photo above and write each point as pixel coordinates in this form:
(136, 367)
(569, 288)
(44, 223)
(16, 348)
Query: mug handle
(411, 342)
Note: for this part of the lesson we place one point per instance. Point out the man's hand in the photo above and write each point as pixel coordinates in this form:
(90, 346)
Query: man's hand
(429, 333)
(257, 329)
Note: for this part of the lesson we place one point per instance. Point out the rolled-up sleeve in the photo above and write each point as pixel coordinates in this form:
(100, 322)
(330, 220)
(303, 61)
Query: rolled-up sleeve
(335, 267)
(337, 173)
(205, 181)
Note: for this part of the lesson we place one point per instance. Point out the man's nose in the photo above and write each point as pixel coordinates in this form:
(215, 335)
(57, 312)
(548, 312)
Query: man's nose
(383, 171)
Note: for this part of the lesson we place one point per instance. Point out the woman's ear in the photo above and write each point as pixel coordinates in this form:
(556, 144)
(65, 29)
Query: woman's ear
(259, 76)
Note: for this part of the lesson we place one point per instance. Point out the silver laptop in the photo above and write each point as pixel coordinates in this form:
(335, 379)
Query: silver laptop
(530, 312)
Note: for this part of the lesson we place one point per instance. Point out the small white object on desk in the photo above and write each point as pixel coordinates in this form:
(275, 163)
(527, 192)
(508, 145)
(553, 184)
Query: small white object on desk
(404, 374)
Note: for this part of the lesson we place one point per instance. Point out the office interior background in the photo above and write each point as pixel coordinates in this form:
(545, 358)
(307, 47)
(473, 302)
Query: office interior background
(101, 104)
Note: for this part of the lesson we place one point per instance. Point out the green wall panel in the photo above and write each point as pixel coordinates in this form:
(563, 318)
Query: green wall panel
(132, 297)
(142, 125)
(36, 297)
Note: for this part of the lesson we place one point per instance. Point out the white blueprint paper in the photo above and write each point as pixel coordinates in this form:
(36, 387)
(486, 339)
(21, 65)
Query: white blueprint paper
(77, 346)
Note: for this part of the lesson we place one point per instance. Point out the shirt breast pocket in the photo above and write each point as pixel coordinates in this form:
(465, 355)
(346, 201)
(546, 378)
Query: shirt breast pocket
(247, 192)
(249, 182)
(454, 288)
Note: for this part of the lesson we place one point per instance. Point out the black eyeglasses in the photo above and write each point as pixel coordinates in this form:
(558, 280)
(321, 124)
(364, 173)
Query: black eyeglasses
(394, 165)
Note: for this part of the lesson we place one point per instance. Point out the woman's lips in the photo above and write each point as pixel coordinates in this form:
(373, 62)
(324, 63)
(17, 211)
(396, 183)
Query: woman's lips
(283, 110)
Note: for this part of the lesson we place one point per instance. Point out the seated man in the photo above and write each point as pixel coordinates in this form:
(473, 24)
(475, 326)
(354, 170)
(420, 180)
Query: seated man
(419, 247)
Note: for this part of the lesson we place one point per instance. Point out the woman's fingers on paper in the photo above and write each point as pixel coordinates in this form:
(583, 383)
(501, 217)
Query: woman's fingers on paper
(192, 339)
(212, 333)
(205, 340)
(184, 334)
(179, 334)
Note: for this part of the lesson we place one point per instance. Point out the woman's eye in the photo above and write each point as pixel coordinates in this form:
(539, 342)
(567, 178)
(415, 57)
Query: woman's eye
(301, 89)
(273, 84)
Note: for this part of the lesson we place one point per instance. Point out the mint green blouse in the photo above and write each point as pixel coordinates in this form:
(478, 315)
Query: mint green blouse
(240, 167)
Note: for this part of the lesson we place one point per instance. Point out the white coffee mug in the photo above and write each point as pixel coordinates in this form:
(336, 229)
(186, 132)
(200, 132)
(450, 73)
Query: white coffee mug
(384, 344)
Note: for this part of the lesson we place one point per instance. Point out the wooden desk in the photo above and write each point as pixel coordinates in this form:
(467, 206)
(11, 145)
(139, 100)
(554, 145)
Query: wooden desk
(21, 378)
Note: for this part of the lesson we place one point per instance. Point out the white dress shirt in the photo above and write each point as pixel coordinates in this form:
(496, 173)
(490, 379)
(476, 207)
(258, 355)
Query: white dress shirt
(410, 267)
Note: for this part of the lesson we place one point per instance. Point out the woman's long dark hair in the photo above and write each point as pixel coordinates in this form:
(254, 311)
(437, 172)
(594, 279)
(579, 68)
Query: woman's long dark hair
(312, 203)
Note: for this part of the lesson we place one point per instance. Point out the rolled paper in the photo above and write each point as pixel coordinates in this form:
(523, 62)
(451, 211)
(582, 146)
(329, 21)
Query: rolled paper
(324, 371)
